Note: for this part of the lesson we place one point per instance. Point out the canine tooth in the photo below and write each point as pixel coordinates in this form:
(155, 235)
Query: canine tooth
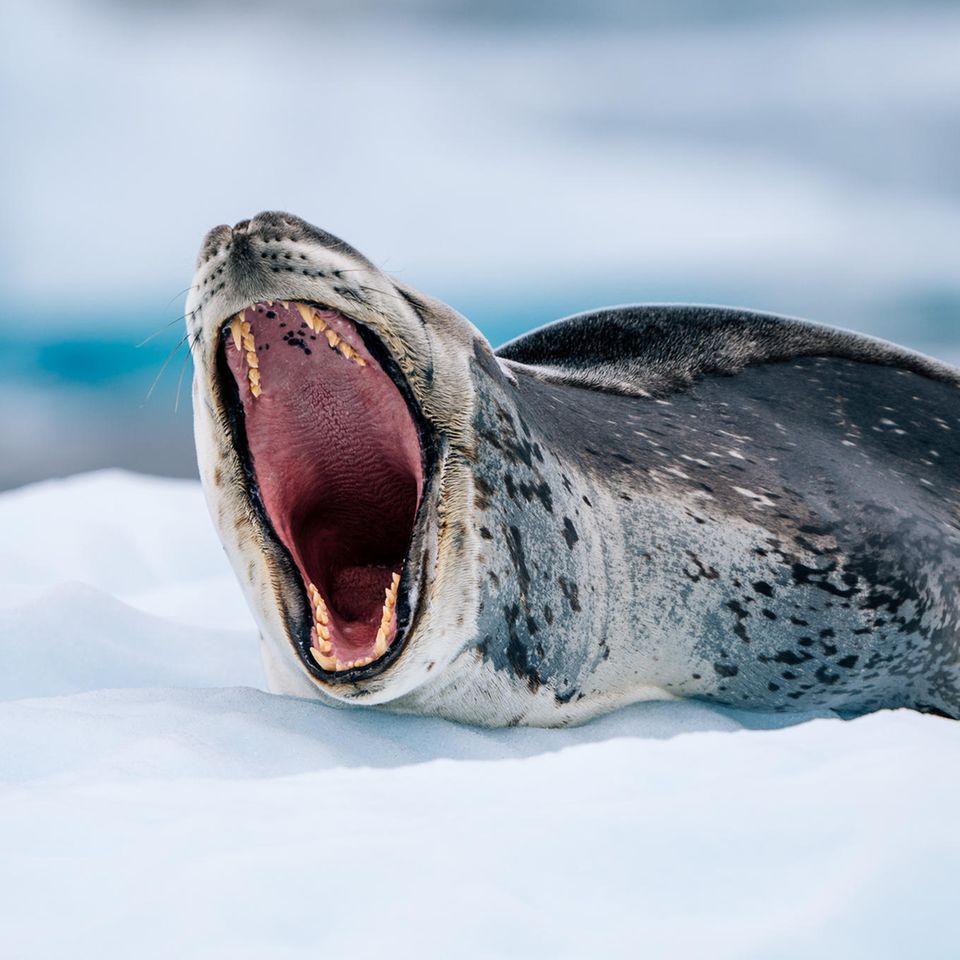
(235, 331)
(326, 663)
(308, 317)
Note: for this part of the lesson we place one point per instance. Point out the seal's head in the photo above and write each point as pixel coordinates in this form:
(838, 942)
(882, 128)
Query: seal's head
(333, 414)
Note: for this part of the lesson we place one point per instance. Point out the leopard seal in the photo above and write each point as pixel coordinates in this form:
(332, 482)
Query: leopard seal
(641, 502)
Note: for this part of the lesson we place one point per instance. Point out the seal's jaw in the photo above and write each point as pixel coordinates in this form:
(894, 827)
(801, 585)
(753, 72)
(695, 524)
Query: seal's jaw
(428, 352)
(336, 455)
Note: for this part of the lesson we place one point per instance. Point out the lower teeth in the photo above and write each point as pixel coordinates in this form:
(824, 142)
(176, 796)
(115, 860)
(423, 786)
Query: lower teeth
(321, 648)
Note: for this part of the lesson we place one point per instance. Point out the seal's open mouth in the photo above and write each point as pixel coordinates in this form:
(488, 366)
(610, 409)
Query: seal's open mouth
(333, 448)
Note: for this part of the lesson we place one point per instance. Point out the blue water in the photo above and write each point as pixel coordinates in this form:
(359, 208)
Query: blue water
(113, 350)
(112, 387)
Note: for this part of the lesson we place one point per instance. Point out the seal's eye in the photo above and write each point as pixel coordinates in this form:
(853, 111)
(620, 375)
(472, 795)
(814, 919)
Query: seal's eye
(337, 459)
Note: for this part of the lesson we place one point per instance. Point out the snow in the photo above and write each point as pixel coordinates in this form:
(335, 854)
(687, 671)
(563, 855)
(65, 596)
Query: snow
(154, 801)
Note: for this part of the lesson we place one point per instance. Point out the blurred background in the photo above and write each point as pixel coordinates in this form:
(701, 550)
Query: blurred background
(520, 160)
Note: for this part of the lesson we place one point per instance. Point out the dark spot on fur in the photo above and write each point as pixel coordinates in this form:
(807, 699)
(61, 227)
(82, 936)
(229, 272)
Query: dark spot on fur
(738, 609)
(826, 677)
(515, 546)
(572, 592)
(569, 532)
(790, 657)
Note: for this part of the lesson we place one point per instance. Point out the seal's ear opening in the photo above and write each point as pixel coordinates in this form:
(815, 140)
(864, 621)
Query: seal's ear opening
(336, 458)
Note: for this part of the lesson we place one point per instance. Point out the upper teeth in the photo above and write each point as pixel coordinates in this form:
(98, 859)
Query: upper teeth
(243, 340)
(318, 325)
(242, 334)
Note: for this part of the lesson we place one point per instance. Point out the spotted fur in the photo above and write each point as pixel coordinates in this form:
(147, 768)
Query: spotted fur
(647, 502)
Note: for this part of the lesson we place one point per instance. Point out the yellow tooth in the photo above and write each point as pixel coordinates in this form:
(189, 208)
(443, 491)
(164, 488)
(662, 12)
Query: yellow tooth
(252, 359)
(306, 314)
(323, 632)
(350, 353)
(380, 647)
(255, 389)
(321, 612)
(332, 338)
(235, 324)
(326, 663)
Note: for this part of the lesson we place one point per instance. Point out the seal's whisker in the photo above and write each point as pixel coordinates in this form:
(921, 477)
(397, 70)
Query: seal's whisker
(177, 296)
(156, 333)
(184, 339)
(183, 368)
(385, 293)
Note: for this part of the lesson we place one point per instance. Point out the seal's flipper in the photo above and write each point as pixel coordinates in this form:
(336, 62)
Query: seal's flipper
(654, 349)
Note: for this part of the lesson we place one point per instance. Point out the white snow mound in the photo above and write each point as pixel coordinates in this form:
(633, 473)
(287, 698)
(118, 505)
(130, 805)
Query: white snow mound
(155, 803)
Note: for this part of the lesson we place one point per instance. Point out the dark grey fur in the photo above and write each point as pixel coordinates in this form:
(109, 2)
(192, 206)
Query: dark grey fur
(743, 507)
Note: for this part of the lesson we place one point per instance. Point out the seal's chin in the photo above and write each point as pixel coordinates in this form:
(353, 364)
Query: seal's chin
(333, 452)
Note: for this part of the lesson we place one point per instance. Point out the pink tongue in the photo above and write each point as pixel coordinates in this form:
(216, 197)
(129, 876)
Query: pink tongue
(337, 459)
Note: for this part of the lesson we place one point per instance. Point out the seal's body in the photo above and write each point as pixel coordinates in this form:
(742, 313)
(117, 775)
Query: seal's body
(639, 503)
